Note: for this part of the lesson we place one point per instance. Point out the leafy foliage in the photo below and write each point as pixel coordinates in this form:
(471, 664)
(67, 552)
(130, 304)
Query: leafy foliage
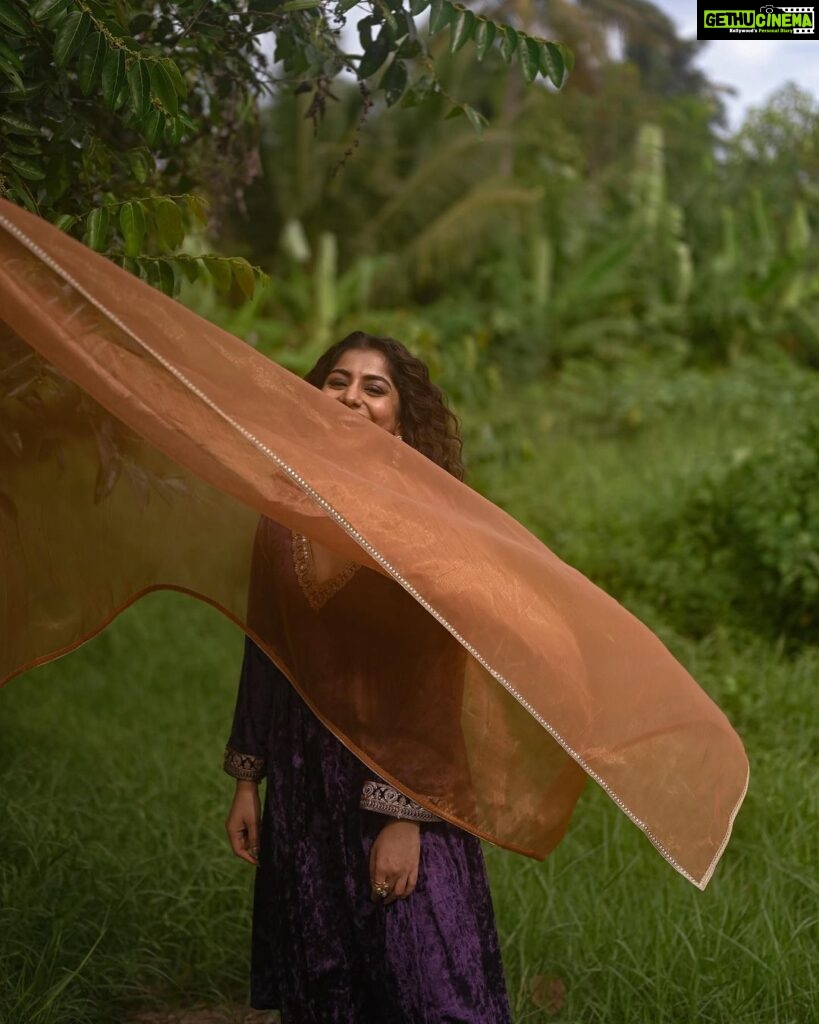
(736, 540)
(116, 118)
(110, 115)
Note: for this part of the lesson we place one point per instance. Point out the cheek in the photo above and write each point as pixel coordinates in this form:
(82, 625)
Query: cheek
(386, 410)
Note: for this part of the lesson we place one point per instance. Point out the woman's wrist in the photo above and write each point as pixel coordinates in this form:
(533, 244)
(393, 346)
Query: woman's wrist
(405, 822)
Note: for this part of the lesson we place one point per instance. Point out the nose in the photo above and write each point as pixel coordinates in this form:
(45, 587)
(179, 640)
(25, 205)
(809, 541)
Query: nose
(350, 396)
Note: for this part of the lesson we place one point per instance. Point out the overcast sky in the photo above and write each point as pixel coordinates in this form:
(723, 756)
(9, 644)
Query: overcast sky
(756, 67)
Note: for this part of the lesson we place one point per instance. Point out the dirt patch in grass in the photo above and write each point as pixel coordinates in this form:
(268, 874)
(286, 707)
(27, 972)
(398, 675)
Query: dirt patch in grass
(206, 1015)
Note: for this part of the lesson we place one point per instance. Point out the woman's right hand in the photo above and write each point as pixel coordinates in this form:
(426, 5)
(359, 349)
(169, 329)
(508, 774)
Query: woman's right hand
(242, 823)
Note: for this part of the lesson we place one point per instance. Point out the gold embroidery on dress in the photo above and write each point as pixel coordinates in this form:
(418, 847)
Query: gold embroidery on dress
(249, 767)
(385, 799)
(316, 593)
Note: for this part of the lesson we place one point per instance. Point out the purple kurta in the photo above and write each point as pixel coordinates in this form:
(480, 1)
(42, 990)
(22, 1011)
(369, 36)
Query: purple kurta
(323, 952)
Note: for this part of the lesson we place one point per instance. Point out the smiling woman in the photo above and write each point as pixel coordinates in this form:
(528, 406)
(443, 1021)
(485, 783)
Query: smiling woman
(380, 378)
(337, 844)
(469, 673)
(361, 380)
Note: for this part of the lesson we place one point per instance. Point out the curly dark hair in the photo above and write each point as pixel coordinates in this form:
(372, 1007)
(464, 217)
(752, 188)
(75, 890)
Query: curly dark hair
(427, 422)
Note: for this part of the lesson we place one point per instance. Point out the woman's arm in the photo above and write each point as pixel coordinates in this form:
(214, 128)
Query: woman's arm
(243, 819)
(246, 751)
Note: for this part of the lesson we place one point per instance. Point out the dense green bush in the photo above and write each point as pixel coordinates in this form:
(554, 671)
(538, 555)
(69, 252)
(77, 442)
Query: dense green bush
(742, 546)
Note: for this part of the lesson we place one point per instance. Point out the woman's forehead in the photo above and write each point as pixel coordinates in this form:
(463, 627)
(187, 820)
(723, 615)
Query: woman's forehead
(364, 361)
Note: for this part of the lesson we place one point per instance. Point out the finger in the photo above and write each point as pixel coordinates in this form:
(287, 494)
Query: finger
(375, 895)
(253, 841)
(379, 882)
(236, 837)
(237, 844)
(396, 889)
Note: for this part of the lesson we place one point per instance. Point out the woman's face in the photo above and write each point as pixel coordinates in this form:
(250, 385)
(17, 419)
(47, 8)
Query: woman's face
(361, 379)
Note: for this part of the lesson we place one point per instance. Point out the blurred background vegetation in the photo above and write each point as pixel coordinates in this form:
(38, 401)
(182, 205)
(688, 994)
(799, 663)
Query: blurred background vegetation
(599, 261)
(621, 299)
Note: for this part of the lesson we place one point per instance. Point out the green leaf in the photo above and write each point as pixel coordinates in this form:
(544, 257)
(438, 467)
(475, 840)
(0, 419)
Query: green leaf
(153, 126)
(11, 56)
(219, 270)
(409, 49)
(12, 74)
(140, 163)
(484, 34)
(12, 19)
(461, 30)
(65, 221)
(92, 58)
(28, 147)
(169, 223)
(529, 57)
(174, 130)
(22, 192)
(175, 75)
(441, 13)
(70, 37)
(418, 91)
(16, 126)
(418, 7)
(191, 268)
(365, 32)
(475, 118)
(165, 278)
(25, 168)
(509, 42)
(375, 54)
(387, 15)
(551, 63)
(198, 208)
(567, 55)
(113, 77)
(243, 276)
(97, 225)
(43, 9)
(58, 177)
(163, 88)
(132, 225)
(139, 87)
(394, 82)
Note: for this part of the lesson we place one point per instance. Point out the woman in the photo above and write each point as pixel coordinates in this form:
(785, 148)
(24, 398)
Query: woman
(454, 654)
(368, 907)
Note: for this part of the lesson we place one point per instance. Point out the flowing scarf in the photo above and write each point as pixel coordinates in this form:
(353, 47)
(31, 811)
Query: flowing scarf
(141, 447)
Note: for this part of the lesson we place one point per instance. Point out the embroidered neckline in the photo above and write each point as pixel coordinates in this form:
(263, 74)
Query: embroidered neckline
(317, 592)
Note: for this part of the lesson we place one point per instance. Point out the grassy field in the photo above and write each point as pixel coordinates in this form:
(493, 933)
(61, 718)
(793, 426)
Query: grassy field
(118, 893)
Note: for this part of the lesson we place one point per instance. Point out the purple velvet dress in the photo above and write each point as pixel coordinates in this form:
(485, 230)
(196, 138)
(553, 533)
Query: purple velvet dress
(322, 951)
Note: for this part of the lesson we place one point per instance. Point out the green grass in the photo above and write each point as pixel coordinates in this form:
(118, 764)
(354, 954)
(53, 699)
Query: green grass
(117, 890)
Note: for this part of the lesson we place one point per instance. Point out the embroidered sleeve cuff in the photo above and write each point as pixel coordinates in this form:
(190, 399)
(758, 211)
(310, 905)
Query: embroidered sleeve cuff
(385, 799)
(244, 766)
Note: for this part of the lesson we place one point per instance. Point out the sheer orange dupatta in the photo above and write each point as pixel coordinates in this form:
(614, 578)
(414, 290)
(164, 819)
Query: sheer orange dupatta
(143, 447)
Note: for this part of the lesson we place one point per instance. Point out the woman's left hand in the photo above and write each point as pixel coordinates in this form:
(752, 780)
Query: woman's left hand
(394, 859)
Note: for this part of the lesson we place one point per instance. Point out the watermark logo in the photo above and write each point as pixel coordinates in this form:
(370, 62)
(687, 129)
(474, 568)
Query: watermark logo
(756, 21)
